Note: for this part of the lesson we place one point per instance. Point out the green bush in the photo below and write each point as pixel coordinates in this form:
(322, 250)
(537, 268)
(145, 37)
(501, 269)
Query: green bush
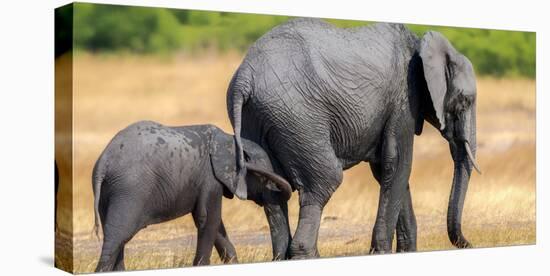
(137, 29)
(101, 28)
(493, 52)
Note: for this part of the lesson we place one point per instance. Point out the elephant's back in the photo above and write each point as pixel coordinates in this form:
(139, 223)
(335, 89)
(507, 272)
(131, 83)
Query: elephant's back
(148, 137)
(154, 153)
(155, 167)
(310, 39)
(312, 59)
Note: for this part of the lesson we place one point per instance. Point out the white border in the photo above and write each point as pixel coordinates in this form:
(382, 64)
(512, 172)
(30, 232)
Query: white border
(26, 135)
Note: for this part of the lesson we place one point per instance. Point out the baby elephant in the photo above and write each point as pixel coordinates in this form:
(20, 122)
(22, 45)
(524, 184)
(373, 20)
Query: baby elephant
(150, 173)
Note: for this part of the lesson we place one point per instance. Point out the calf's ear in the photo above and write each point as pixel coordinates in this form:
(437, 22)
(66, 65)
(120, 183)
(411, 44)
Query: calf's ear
(224, 164)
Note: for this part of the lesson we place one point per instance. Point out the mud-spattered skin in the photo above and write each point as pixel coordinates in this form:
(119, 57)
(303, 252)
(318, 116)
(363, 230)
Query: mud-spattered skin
(150, 173)
(321, 99)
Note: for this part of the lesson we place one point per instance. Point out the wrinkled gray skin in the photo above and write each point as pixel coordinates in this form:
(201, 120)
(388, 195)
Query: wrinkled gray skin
(150, 173)
(320, 99)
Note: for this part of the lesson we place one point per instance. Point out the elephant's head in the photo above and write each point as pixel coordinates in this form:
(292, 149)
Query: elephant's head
(259, 178)
(451, 84)
(260, 184)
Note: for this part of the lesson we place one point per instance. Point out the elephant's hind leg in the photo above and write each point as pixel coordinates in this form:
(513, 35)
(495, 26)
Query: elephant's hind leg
(120, 224)
(318, 187)
(207, 218)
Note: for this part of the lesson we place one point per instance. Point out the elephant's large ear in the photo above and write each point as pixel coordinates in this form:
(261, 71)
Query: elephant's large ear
(224, 164)
(435, 51)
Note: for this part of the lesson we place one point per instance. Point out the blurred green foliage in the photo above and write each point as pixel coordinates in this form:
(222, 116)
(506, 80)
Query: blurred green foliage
(139, 29)
(110, 28)
(63, 29)
(493, 52)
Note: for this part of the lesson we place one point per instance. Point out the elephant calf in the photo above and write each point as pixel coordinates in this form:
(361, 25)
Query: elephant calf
(150, 173)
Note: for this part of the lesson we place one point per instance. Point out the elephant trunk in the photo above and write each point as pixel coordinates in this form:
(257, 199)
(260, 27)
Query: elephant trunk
(281, 183)
(276, 211)
(463, 150)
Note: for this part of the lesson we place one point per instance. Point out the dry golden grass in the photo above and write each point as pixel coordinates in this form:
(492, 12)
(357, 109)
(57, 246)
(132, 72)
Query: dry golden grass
(112, 92)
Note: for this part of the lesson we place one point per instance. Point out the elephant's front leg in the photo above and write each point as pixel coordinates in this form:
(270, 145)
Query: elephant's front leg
(396, 155)
(406, 222)
(276, 211)
(225, 248)
(406, 225)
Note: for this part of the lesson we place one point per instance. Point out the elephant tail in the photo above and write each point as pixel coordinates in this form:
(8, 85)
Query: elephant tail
(238, 94)
(98, 175)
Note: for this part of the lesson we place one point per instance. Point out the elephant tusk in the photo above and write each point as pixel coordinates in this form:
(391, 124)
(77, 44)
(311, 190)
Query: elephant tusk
(471, 156)
(280, 182)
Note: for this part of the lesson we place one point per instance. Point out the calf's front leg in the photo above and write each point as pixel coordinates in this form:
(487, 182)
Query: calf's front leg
(225, 248)
(207, 217)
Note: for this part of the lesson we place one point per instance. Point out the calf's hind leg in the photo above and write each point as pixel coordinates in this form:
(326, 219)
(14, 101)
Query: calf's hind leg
(120, 224)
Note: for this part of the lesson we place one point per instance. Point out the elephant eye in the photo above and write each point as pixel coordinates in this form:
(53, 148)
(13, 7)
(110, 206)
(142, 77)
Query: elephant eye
(459, 102)
(466, 100)
(246, 157)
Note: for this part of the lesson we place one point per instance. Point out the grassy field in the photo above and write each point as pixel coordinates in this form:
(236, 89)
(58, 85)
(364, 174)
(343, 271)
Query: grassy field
(112, 92)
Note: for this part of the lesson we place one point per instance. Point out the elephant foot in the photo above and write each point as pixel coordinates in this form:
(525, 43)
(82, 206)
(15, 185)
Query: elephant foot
(231, 260)
(304, 257)
(281, 256)
(301, 253)
(380, 247)
(374, 251)
(459, 241)
(406, 246)
(463, 244)
(304, 243)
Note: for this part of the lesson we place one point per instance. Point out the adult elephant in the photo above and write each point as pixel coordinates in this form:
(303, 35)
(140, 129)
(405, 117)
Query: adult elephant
(320, 99)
